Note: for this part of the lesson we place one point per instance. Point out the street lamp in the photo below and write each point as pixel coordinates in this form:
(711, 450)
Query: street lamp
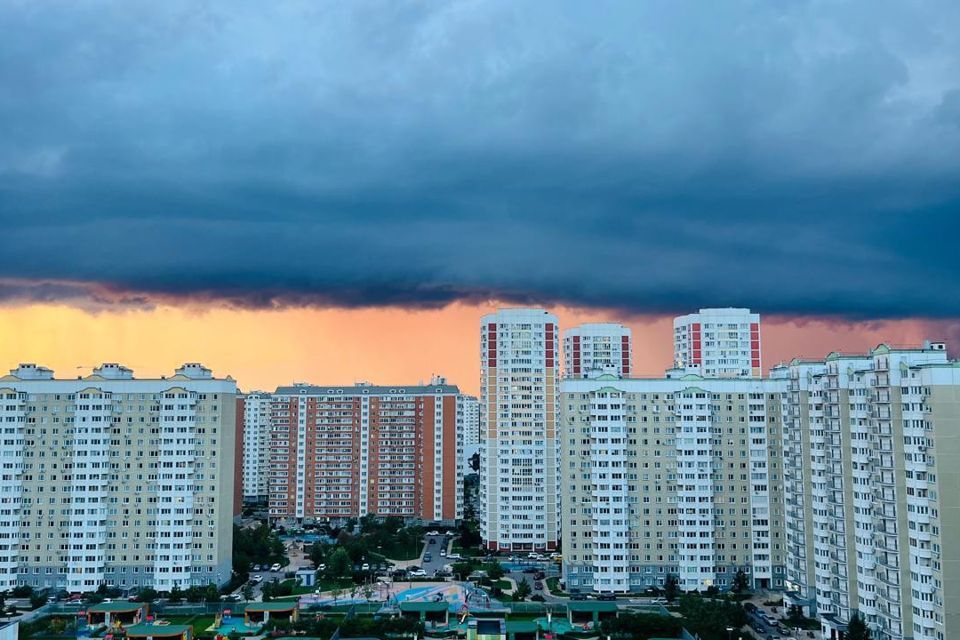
(729, 633)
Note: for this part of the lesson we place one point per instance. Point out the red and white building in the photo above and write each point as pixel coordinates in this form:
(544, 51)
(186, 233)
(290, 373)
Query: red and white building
(339, 452)
(718, 343)
(519, 385)
(597, 348)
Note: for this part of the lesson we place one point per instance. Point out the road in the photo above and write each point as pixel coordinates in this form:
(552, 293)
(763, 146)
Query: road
(434, 544)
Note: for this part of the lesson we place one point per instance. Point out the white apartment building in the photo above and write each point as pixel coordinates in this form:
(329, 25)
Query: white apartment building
(597, 348)
(678, 475)
(255, 407)
(471, 430)
(718, 343)
(111, 479)
(518, 413)
(872, 448)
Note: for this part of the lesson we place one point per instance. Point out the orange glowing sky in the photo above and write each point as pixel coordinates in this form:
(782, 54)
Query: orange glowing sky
(262, 349)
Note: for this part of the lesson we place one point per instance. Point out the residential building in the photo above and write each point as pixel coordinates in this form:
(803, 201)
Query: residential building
(679, 475)
(718, 343)
(597, 347)
(339, 452)
(255, 412)
(471, 431)
(116, 480)
(519, 373)
(873, 457)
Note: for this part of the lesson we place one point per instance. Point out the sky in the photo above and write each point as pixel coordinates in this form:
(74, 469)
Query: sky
(258, 181)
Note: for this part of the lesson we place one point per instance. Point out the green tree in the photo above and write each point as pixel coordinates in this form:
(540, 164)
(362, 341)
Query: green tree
(640, 626)
(176, 594)
(523, 590)
(339, 565)
(211, 593)
(247, 592)
(147, 594)
(37, 600)
(857, 629)
(495, 570)
(671, 588)
(740, 582)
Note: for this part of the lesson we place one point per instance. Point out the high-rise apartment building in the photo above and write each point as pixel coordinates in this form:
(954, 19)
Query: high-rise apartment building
(255, 411)
(339, 452)
(471, 421)
(471, 432)
(872, 454)
(597, 348)
(111, 479)
(718, 343)
(678, 476)
(518, 414)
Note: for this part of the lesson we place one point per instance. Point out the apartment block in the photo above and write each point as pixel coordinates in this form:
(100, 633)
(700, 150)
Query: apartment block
(597, 348)
(519, 364)
(718, 343)
(680, 475)
(254, 413)
(111, 479)
(872, 447)
(338, 452)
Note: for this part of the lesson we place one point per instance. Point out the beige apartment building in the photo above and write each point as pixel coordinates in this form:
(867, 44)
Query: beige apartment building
(872, 452)
(111, 479)
(680, 475)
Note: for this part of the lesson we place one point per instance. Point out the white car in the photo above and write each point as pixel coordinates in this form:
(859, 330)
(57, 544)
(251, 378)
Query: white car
(434, 533)
(256, 579)
(443, 553)
(418, 573)
(275, 566)
(365, 567)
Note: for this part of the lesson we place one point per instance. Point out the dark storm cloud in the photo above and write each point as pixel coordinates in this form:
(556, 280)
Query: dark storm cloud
(795, 157)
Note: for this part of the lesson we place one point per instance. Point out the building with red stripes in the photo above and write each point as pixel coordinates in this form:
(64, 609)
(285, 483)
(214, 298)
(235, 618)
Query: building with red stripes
(718, 343)
(519, 468)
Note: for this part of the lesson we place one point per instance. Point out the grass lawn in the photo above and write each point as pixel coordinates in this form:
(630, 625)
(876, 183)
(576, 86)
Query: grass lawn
(199, 622)
(466, 552)
(553, 584)
(396, 551)
(329, 584)
(298, 589)
(503, 584)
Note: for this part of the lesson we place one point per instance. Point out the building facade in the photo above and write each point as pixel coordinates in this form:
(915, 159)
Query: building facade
(871, 442)
(597, 347)
(339, 452)
(518, 414)
(677, 476)
(718, 343)
(255, 412)
(111, 479)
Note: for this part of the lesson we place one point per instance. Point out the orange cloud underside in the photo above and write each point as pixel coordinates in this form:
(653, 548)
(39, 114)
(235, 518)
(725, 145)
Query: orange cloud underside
(262, 349)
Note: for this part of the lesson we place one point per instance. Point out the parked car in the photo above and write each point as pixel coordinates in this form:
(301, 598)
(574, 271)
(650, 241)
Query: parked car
(662, 601)
(531, 570)
(538, 585)
(432, 541)
(606, 596)
(427, 557)
(539, 575)
(365, 567)
(418, 573)
(275, 566)
(434, 533)
(443, 553)
(257, 579)
(454, 556)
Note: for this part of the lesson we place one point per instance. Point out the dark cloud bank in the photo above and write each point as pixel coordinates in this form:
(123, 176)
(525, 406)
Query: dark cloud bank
(795, 157)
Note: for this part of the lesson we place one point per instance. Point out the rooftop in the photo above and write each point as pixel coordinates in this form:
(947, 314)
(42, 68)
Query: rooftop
(143, 630)
(272, 606)
(592, 607)
(425, 607)
(112, 607)
(366, 390)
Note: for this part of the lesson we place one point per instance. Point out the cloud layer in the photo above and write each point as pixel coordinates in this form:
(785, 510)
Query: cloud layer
(796, 157)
